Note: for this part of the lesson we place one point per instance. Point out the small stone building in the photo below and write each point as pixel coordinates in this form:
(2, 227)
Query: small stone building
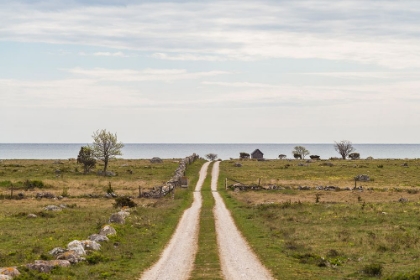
(257, 154)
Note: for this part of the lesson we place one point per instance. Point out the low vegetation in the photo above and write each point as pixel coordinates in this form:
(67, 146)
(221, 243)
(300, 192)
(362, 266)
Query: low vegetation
(312, 234)
(138, 242)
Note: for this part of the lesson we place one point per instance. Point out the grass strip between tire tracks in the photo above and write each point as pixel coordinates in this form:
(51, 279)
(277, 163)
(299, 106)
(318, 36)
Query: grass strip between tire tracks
(207, 262)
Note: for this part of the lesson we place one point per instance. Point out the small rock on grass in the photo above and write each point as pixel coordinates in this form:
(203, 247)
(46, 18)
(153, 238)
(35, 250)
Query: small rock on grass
(70, 256)
(5, 277)
(107, 230)
(53, 208)
(9, 271)
(47, 266)
(98, 238)
(77, 247)
(117, 218)
(57, 251)
(91, 245)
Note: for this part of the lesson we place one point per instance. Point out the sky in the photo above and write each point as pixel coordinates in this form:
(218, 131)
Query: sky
(307, 71)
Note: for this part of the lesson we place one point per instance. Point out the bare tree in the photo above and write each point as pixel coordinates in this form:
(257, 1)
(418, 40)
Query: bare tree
(344, 148)
(300, 151)
(105, 146)
(211, 156)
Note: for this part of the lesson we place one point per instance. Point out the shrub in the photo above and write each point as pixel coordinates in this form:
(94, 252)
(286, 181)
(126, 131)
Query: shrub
(95, 258)
(374, 269)
(124, 201)
(28, 184)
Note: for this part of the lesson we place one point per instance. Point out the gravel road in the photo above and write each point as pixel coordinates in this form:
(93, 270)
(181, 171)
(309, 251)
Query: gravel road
(237, 259)
(178, 258)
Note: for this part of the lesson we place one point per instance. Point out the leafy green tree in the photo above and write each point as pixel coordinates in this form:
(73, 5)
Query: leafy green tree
(301, 151)
(105, 146)
(86, 158)
(211, 156)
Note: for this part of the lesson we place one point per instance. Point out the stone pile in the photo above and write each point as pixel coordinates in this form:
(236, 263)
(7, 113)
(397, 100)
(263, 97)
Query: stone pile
(75, 251)
(174, 182)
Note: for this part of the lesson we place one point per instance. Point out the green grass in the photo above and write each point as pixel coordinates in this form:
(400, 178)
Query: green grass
(137, 245)
(289, 173)
(207, 263)
(327, 240)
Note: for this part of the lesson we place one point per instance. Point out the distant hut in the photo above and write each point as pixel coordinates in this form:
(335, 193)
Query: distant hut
(257, 154)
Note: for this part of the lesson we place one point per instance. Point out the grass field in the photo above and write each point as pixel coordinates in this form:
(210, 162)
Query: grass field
(138, 243)
(346, 234)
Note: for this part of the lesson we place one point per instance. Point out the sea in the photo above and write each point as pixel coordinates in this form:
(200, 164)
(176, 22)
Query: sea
(224, 151)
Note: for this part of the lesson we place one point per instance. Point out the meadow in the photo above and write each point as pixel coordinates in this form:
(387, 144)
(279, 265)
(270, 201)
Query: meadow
(138, 242)
(317, 234)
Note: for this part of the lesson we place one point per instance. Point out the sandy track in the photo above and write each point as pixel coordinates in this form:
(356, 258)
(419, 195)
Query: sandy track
(177, 259)
(237, 259)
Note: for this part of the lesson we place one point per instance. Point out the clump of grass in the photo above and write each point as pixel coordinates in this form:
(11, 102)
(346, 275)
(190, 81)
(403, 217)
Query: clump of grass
(124, 201)
(374, 269)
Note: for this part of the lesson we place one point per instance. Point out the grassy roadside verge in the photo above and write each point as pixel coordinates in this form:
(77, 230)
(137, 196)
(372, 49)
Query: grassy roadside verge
(354, 239)
(137, 245)
(207, 263)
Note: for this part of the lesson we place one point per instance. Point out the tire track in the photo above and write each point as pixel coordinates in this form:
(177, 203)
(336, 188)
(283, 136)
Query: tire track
(177, 259)
(237, 259)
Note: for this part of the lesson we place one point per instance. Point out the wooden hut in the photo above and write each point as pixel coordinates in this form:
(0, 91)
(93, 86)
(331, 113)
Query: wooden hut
(257, 154)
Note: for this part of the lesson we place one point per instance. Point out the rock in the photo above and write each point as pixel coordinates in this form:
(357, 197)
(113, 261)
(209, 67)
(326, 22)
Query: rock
(403, 200)
(52, 208)
(237, 164)
(70, 256)
(404, 164)
(44, 195)
(77, 247)
(63, 206)
(9, 271)
(47, 266)
(156, 160)
(98, 238)
(31, 216)
(91, 245)
(362, 178)
(107, 230)
(124, 213)
(116, 218)
(5, 277)
(57, 251)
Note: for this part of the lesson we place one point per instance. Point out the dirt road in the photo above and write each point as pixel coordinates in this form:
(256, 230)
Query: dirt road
(177, 259)
(237, 259)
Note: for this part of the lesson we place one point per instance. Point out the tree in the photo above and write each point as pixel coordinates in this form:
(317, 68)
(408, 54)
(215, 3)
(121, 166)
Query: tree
(105, 146)
(354, 156)
(282, 156)
(243, 155)
(86, 158)
(211, 156)
(301, 151)
(344, 148)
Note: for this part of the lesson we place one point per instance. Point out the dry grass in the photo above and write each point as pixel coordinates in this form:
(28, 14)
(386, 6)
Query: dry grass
(342, 234)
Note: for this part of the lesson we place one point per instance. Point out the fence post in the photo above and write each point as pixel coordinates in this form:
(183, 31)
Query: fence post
(226, 184)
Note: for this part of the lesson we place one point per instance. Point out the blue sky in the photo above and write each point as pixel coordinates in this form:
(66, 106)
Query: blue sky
(210, 71)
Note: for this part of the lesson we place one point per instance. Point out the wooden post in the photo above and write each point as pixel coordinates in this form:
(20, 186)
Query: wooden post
(11, 191)
(259, 182)
(355, 180)
(226, 184)
(140, 192)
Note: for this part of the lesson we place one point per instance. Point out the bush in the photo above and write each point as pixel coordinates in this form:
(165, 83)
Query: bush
(124, 201)
(28, 184)
(374, 269)
(95, 258)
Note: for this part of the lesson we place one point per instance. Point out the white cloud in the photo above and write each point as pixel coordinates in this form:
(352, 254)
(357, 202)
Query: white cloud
(377, 32)
(189, 57)
(117, 54)
(128, 75)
